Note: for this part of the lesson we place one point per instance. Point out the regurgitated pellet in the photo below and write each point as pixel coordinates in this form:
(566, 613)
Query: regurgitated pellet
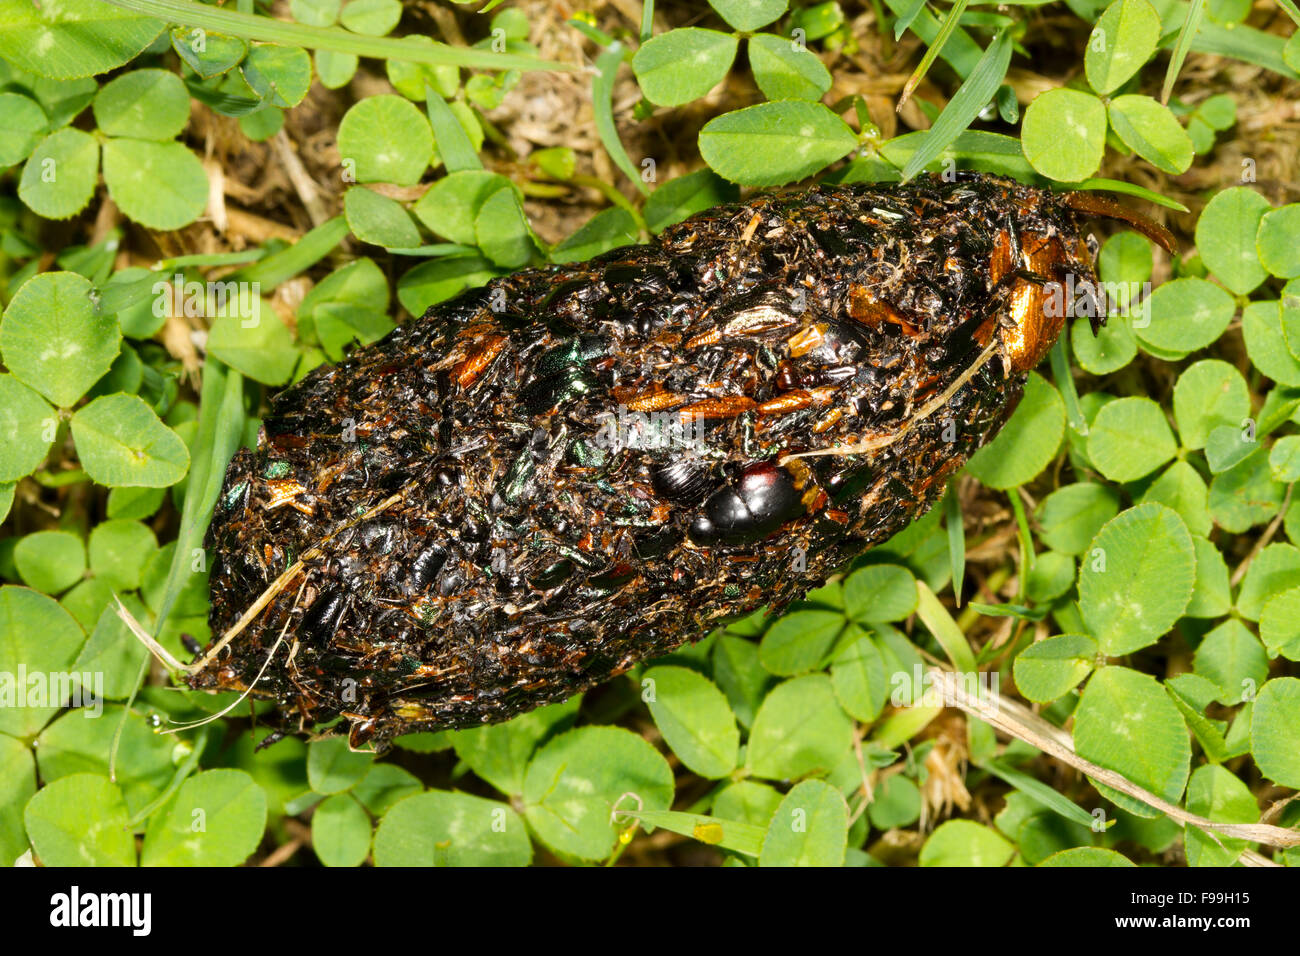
(574, 468)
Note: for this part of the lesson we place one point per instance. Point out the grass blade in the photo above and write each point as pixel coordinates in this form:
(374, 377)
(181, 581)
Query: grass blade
(210, 260)
(221, 425)
(956, 538)
(1065, 385)
(250, 27)
(302, 255)
(1039, 792)
(746, 838)
(965, 104)
(1195, 11)
(907, 17)
(945, 630)
(935, 47)
(1119, 186)
(1246, 44)
(960, 52)
(991, 152)
(602, 99)
(1027, 554)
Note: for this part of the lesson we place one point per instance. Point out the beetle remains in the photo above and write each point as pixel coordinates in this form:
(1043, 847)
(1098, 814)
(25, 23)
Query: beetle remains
(574, 468)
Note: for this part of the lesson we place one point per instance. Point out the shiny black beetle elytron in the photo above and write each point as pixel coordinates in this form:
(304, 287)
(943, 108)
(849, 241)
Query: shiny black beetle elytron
(577, 467)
